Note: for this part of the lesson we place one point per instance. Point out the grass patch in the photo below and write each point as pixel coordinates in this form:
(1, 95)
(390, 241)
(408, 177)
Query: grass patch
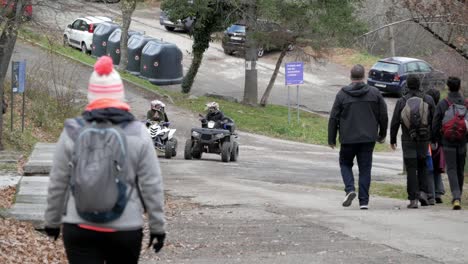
(269, 121)
(398, 191)
(350, 57)
(46, 107)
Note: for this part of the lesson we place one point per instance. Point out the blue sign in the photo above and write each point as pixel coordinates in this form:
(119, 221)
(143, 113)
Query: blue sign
(294, 73)
(18, 76)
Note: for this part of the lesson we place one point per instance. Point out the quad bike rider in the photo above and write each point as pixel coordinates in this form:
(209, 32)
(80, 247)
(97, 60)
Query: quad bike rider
(157, 112)
(216, 136)
(158, 128)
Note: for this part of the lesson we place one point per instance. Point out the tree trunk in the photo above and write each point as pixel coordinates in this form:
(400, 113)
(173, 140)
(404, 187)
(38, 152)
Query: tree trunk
(127, 7)
(251, 81)
(192, 72)
(7, 45)
(266, 95)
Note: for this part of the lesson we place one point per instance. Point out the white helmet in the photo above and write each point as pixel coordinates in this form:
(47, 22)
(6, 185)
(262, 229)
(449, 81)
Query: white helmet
(157, 105)
(212, 107)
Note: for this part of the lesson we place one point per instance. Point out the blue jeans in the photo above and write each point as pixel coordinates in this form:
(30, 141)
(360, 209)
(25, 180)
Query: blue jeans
(363, 152)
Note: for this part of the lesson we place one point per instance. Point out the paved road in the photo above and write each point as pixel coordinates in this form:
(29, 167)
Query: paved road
(272, 190)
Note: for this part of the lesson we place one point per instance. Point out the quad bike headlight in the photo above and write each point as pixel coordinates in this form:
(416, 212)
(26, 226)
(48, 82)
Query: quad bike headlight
(195, 134)
(221, 135)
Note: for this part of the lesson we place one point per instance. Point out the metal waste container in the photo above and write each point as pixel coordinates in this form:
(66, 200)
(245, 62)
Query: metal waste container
(100, 38)
(161, 63)
(135, 46)
(113, 44)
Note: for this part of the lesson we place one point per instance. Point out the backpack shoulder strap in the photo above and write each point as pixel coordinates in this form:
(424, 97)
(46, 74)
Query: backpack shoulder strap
(448, 102)
(73, 127)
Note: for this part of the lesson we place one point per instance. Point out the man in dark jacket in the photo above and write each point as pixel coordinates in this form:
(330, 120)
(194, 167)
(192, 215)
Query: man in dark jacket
(455, 151)
(415, 150)
(360, 115)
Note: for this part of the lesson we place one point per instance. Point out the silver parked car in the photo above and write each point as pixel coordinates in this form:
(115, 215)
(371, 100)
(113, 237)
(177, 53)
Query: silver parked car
(185, 24)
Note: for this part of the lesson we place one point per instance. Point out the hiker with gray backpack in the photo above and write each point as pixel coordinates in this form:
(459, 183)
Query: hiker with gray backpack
(414, 112)
(450, 131)
(105, 173)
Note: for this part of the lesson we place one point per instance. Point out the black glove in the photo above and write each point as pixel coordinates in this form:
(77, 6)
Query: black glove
(52, 232)
(160, 241)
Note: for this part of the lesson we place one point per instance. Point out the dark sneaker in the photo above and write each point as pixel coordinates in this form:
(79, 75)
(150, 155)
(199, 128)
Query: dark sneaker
(431, 201)
(364, 207)
(413, 204)
(349, 199)
(456, 205)
(423, 199)
(439, 200)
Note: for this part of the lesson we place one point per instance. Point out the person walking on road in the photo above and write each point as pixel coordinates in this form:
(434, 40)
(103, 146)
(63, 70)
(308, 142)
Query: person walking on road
(105, 173)
(359, 115)
(414, 112)
(449, 128)
(435, 184)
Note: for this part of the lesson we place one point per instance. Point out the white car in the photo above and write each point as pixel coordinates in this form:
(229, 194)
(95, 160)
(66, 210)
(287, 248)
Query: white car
(79, 34)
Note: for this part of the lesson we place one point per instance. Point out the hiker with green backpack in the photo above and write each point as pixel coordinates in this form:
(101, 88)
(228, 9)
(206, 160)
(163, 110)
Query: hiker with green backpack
(450, 131)
(105, 173)
(414, 112)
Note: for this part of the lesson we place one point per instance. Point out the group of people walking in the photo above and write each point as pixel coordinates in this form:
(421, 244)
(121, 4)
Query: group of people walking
(433, 137)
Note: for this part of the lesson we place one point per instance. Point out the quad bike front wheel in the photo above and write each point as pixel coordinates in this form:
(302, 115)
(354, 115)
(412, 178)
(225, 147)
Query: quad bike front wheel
(197, 151)
(235, 151)
(168, 150)
(226, 151)
(188, 149)
(174, 146)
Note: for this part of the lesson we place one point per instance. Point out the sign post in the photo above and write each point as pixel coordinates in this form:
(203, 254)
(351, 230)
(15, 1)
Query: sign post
(294, 76)
(18, 81)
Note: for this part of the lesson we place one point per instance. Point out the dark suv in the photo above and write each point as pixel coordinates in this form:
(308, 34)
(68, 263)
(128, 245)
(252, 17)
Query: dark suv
(389, 75)
(234, 37)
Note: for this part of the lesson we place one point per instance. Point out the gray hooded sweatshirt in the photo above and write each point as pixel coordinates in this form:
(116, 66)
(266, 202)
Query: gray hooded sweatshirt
(143, 162)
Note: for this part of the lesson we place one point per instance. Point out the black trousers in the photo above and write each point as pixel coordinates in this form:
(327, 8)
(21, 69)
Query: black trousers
(455, 160)
(85, 246)
(414, 154)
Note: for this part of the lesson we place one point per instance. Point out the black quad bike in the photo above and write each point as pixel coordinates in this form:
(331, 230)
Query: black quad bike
(213, 137)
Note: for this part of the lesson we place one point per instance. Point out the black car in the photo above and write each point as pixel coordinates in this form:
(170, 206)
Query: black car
(234, 37)
(389, 75)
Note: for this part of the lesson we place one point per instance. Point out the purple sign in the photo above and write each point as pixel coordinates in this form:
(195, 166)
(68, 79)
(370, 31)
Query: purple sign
(294, 73)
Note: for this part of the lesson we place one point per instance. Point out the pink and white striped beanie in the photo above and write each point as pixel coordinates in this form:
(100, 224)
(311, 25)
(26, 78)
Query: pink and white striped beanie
(105, 82)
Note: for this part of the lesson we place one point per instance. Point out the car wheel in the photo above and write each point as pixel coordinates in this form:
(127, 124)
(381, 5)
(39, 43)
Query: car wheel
(188, 149)
(169, 28)
(226, 151)
(235, 151)
(83, 48)
(65, 41)
(260, 52)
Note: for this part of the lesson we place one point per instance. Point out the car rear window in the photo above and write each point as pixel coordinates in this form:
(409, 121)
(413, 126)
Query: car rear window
(384, 66)
(236, 29)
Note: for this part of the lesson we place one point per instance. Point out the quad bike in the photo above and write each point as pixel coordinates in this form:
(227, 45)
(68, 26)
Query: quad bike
(163, 138)
(213, 137)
